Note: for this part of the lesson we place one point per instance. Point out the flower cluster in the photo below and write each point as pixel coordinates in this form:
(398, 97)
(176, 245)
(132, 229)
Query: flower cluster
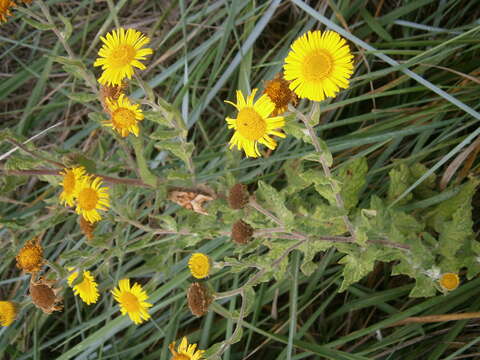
(85, 192)
(318, 66)
(122, 51)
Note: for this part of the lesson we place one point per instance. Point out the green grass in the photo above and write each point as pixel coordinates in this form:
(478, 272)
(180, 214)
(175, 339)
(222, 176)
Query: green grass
(413, 98)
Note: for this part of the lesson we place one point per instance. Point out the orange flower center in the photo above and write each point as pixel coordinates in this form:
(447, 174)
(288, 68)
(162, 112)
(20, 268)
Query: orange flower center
(129, 302)
(250, 124)
(123, 118)
(317, 65)
(69, 182)
(449, 281)
(29, 257)
(181, 357)
(121, 56)
(87, 199)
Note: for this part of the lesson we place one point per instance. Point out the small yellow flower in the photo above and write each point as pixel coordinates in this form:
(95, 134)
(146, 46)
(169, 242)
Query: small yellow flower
(199, 265)
(30, 256)
(185, 351)
(449, 281)
(124, 116)
(87, 289)
(318, 65)
(5, 7)
(278, 90)
(8, 312)
(253, 124)
(71, 179)
(132, 301)
(91, 198)
(120, 53)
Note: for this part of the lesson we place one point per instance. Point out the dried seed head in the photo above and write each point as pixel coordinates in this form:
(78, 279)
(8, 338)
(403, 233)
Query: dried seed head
(8, 312)
(44, 296)
(238, 196)
(241, 232)
(199, 299)
(449, 281)
(30, 257)
(87, 228)
(110, 92)
(279, 92)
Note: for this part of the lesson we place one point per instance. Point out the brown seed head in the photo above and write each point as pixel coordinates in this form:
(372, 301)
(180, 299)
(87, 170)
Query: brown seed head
(44, 296)
(241, 232)
(112, 92)
(87, 228)
(279, 92)
(199, 299)
(238, 196)
(30, 257)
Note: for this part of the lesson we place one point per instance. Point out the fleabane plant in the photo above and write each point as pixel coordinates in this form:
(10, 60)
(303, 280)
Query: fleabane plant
(311, 205)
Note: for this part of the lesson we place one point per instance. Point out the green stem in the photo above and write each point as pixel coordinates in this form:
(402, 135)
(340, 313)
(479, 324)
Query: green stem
(145, 172)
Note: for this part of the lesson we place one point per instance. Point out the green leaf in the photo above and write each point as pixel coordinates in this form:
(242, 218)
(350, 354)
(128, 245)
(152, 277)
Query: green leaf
(68, 26)
(160, 134)
(276, 201)
(424, 287)
(400, 180)
(83, 97)
(445, 210)
(357, 266)
(325, 186)
(456, 231)
(38, 25)
(352, 178)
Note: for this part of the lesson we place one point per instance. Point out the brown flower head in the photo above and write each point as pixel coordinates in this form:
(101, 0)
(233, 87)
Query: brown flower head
(112, 92)
(238, 196)
(87, 228)
(44, 296)
(241, 232)
(279, 92)
(30, 257)
(199, 299)
(5, 7)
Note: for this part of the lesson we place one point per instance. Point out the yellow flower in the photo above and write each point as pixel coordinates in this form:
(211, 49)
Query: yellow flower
(5, 7)
(199, 265)
(318, 65)
(87, 289)
(30, 256)
(185, 351)
(132, 301)
(124, 116)
(449, 281)
(91, 198)
(253, 124)
(8, 312)
(71, 179)
(279, 92)
(121, 52)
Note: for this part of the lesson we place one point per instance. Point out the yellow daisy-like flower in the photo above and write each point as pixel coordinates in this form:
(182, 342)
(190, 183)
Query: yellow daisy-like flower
(253, 124)
(318, 65)
(8, 313)
(132, 301)
(30, 256)
(185, 351)
(87, 289)
(5, 7)
(199, 265)
(91, 198)
(71, 179)
(121, 52)
(449, 281)
(124, 116)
